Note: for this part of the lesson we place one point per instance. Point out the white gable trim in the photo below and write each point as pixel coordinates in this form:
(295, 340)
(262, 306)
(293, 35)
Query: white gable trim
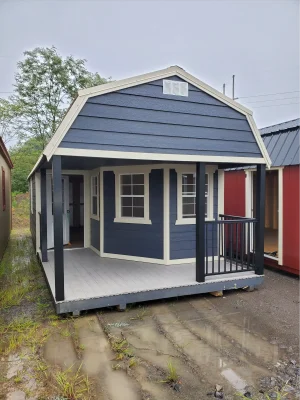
(84, 94)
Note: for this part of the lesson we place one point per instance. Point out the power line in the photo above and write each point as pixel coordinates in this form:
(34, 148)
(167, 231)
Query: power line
(268, 94)
(263, 101)
(275, 105)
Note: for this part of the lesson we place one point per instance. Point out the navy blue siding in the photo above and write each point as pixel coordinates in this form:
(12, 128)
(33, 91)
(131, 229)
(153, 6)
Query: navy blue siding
(95, 233)
(134, 239)
(183, 237)
(127, 120)
(33, 215)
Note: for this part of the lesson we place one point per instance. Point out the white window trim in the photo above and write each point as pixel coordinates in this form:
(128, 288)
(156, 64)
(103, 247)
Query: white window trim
(209, 170)
(94, 216)
(132, 220)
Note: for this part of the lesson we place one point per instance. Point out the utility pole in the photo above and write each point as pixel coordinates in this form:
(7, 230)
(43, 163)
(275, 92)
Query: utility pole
(223, 88)
(233, 76)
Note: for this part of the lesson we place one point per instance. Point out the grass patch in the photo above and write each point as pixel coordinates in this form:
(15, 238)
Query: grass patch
(72, 385)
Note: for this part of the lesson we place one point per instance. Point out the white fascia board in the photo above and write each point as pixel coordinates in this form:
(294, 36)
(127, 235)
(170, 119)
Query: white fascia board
(259, 140)
(35, 166)
(61, 151)
(64, 126)
(84, 94)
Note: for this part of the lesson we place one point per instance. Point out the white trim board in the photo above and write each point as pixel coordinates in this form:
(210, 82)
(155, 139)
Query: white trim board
(249, 205)
(156, 156)
(84, 94)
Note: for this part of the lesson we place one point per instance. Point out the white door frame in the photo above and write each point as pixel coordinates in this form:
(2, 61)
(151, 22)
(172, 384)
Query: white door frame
(249, 197)
(86, 185)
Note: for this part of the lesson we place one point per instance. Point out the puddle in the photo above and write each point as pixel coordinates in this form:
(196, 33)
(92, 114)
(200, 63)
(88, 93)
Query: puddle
(195, 340)
(252, 343)
(98, 359)
(236, 381)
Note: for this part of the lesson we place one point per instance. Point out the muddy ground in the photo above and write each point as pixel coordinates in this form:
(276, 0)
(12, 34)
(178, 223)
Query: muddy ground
(245, 342)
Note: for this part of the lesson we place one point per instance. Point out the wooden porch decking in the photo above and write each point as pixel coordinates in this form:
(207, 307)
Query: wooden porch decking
(94, 282)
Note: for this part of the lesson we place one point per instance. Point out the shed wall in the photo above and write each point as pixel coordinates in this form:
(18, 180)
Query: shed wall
(134, 239)
(143, 119)
(235, 193)
(33, 213)
(5, 214)
(95, 233)
(291, 206)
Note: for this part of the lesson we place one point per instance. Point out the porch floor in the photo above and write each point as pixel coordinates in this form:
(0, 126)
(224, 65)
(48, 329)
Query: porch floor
(94, 282)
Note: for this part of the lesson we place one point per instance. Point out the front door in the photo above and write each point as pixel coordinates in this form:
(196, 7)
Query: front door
(66, 212)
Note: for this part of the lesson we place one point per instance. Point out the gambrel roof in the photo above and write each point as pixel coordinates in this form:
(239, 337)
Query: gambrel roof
(85, 96)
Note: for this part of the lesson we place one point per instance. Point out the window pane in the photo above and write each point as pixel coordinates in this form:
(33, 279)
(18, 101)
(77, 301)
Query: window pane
(126, 201)
(138, 212)
(188, 210)
(94, 211)
(189, 189)
(126, 211)
(138, 179)
(138, 201)
(125, 179)
(188, 200)
(126, 190)
(138, 190)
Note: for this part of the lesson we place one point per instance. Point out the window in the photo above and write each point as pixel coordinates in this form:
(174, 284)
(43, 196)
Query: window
(3, 190)
(132, 196)
(95, 196)
(132, 193)
(188, 192)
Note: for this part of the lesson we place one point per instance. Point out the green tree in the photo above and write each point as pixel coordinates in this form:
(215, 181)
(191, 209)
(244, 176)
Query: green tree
(46, 84)
(10, 112)
(24, 156)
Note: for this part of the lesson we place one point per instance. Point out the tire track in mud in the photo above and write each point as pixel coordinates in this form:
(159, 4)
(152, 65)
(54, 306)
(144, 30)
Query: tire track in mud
(97, 360)
(208, 362)
(154, 350)
(250, 343)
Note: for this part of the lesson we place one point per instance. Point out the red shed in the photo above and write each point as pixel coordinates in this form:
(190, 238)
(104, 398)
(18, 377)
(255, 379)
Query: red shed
(282, 238)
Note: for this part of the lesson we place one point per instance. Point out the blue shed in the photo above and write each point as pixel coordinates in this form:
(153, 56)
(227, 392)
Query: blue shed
(129, 194)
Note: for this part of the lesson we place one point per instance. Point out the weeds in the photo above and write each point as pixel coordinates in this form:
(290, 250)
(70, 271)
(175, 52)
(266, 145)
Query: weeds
(281, 395)
(140, 315)
(132, 362)
(172, 376)
(70, 385)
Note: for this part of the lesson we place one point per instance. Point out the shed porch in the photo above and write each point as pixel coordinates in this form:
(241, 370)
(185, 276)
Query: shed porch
(92, 282)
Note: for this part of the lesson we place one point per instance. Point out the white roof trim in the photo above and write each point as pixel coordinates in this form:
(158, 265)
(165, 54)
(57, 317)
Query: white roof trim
(62, 151)
(84, 94)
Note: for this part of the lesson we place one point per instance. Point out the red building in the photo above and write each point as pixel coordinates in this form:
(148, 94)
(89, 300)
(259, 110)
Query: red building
(282, 239)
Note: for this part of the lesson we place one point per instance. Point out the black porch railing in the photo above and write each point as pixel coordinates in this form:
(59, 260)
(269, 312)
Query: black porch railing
(229, 245)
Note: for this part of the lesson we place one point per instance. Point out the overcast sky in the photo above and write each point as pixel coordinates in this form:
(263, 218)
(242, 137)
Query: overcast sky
(258, 41)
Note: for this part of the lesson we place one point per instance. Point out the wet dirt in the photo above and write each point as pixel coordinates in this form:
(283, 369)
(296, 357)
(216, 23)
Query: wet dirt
(97, 362)
(60, 351)
(208, 341)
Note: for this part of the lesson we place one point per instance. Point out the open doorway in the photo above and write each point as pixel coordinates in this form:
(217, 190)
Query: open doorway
(271, 212)
(76, 211)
